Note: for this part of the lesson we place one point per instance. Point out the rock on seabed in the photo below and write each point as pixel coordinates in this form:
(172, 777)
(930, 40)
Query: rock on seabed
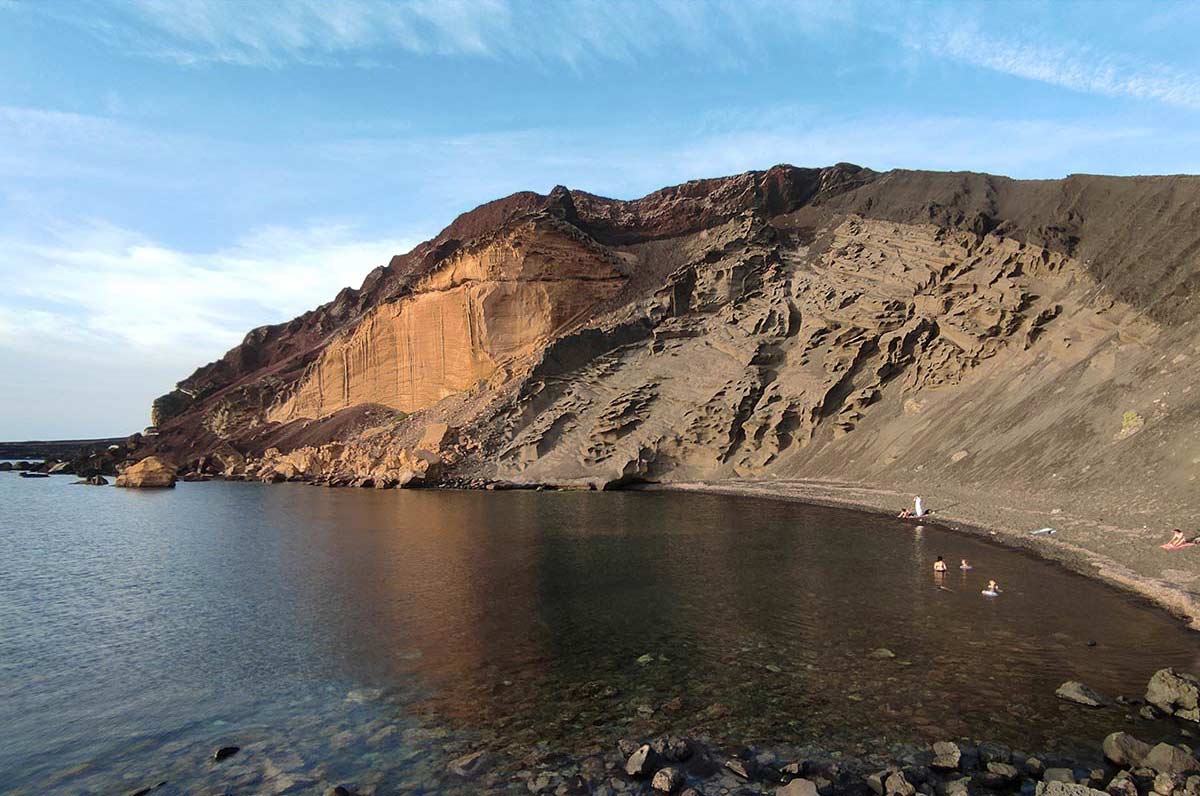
(1080, 694)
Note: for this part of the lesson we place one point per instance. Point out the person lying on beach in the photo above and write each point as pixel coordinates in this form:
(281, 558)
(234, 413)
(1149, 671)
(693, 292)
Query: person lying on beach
(939, 566)
(964, 565)
(904, 514)
(1178, 541)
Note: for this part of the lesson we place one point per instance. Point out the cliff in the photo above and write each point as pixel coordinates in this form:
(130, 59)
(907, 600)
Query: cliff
(909, 330)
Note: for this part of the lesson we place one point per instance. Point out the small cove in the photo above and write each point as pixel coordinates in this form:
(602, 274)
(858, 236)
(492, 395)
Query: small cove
(350, 633)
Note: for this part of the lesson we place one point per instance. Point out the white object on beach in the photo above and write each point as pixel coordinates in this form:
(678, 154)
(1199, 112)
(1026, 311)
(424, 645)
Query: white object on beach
(919, 509)
(1041, 531)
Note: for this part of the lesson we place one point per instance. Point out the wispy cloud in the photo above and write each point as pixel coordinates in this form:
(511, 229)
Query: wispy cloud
(361, 32)
(1074, 66)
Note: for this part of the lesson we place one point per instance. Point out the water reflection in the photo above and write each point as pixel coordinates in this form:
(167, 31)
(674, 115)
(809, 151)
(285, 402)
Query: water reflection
(140, 620)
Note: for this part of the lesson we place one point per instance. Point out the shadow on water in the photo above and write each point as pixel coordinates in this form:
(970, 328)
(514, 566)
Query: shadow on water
(385, 631)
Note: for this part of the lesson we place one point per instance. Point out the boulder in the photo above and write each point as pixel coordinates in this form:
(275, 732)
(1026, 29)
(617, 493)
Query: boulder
(1122, 749)
(149, 472)
(1177, 693)
(797, 787)
(881, 654)
(875, 781)
(668, 780)
(1122, 785)
(1058, 775)
(946, 755)
(1080, 694)
(1005, 771)
(1057, 788)
(1167, 759)
(1165, 784)
(897, 785)
(641, 762)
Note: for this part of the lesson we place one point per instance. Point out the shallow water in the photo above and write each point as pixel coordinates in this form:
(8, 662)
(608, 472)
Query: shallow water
(354, 634)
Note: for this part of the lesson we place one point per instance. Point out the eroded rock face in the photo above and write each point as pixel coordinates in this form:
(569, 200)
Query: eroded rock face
(151, 472)
(485, 308)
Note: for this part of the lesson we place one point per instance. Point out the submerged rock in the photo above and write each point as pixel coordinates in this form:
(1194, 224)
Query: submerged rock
(994, 752)
(743, 768)
(471, 765)
(1080, 694)
(225, 752)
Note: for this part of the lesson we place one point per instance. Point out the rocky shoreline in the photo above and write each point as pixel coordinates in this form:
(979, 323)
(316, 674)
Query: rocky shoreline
(1122, 765)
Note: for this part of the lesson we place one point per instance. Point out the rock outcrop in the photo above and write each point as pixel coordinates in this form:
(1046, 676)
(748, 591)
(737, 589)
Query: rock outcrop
(898, 329)
(149, 472)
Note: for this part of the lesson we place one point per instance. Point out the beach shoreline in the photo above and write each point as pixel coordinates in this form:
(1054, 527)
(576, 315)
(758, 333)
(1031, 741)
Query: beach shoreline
(1079, 543)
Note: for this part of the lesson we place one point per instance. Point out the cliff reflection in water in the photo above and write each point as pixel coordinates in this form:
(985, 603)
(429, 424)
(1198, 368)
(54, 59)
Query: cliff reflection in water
(518, 615)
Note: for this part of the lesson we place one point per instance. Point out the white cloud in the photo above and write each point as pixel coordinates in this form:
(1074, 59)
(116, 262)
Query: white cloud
(1073, 66)
(96, 284)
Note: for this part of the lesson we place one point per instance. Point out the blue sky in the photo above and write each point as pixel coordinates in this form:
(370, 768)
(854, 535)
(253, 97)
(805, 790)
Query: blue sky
(174, 173)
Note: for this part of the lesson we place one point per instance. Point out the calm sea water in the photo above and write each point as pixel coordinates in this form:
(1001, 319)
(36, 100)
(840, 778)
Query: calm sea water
(355, 634)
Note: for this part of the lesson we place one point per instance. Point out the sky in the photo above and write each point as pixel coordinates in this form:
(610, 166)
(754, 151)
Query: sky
(174, 173)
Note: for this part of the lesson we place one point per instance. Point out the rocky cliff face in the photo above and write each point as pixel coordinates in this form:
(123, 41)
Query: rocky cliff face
(901, 329)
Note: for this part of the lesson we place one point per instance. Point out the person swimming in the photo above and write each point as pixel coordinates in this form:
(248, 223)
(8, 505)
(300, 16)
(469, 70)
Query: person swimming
(965, 566)
(992, 590)
(939, 566)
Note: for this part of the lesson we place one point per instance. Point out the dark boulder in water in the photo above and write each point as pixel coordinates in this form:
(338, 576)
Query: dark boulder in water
(225, 752)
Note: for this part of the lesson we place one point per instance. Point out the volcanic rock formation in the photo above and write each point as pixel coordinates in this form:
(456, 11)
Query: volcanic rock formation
(895, 328)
